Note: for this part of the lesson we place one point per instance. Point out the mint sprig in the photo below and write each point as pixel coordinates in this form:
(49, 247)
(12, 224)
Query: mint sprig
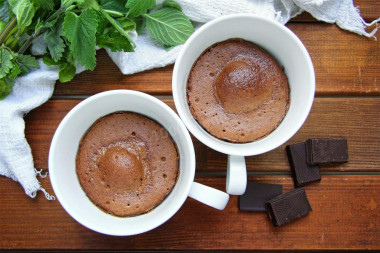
(13, 65)
(73, 28)
(54, 38)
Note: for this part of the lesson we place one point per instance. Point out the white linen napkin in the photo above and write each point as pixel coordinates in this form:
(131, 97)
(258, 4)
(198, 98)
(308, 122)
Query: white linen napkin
(32, 90)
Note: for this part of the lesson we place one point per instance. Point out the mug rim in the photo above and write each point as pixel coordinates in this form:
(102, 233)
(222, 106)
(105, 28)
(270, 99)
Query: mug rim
(205, 137)
(186, 186)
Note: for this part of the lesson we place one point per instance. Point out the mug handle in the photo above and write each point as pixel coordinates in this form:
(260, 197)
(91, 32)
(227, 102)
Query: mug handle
(209, 196)
(236, 175)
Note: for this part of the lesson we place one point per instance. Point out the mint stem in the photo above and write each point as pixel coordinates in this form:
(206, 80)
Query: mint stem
(116, 13)
(10, 38)
(8, 28)
(117, 26)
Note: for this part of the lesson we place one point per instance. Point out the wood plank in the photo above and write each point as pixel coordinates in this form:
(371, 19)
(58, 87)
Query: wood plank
(41, 224)
(337, 221)
(369, 10)
(345, 64)
(345, 216)
(353, 118)
(329, 118)
(107, 76)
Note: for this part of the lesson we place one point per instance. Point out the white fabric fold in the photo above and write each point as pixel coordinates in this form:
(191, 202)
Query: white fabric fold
(16, 159)
(29, 92)
(343, 13)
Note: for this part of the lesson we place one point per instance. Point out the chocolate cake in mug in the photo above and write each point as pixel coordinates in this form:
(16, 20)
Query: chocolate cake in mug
(127, 164)
(237, 91)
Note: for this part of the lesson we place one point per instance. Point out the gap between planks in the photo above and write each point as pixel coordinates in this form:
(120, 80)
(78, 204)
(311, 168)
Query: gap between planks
(171, 97)
(274, 173)
(87, 96)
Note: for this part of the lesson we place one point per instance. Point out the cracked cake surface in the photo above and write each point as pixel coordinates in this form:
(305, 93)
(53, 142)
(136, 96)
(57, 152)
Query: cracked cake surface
(127, 164)
(237, 91)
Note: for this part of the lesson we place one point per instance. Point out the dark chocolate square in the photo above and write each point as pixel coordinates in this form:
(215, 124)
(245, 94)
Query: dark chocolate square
(326, 150)
(302, 172)
(256, 194)
(288, 207)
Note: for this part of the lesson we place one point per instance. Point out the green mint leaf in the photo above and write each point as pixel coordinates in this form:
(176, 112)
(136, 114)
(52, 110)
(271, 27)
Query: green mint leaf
(6, 62)
(87, 4)
(66, 4)
(66, 72)
(27, 60)
(14, 72)
(127, 24)
(80, 32)
(6, 87)
(116, 25)
(66, 58)
(24, 11)
(140, 24)
(54, 41)
(114, 6)
(102, 23)
(139, 7)
(172, 4)
(115, 41)
(3, 24)
(169, 26)
(44, 4)
(44, 24)
(168, 48)
(48, 61)
(26, 63)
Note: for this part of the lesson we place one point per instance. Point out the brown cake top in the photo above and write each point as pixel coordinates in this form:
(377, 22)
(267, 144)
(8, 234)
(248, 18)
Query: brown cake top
(237, 91)
(127, 164)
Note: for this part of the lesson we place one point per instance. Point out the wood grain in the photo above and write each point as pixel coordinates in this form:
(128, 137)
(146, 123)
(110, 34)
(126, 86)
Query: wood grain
(369, 10)
(329, 118)
(345, 216)
(345, 64)
(107, 76)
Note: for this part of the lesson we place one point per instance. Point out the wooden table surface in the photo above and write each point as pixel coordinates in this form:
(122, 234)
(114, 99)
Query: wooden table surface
(346, 203)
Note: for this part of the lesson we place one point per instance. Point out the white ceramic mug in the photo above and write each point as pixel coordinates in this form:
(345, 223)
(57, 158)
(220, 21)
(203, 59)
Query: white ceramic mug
(286, 48)
(65, 182)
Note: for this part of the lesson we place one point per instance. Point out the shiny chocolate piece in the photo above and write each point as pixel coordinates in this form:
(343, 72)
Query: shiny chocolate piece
(326, 150)
(288, 207)
(256, 194)
(302, 172)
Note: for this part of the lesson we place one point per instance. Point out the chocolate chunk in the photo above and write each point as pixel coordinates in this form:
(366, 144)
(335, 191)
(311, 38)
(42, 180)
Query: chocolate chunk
(256, 194)
(326, 150)
(303, 173)
(288, 207)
